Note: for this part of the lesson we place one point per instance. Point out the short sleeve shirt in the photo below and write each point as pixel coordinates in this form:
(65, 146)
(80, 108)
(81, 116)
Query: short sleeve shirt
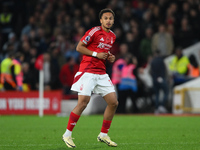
(97, 40)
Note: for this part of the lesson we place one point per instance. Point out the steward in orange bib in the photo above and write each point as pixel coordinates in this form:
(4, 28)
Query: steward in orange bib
(7, 73)
(193, 67)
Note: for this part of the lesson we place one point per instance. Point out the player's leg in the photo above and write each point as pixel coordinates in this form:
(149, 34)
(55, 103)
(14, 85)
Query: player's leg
(83, 100)
(83, 86)
(112, 102)
(76, 113)
(73, 119)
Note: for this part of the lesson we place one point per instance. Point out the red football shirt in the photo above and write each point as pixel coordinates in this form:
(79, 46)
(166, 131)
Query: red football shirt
(97, 40)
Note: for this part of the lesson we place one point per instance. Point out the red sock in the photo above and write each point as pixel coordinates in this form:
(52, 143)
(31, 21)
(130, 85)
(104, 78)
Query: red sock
(73, 118)
(106, 126)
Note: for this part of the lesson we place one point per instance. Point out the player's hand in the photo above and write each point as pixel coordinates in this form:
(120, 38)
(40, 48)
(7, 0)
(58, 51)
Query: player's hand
(102, 55)
(111, 57)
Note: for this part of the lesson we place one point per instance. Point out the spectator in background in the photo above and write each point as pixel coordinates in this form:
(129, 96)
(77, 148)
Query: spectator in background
(171, 31)
(117, 68)
(87, 22)
(193, 67)
(29, 78)
(162, 41)
(145, 45)
(25, 50)
(57, 56)
(67, 74)
(185, 9)
(140, 10)
(179, 67)
(51, 73)
(130, 40)
(30, 26)
(145, 81)
(122, 60)
(159, 76)
(171, 14)
(134, 28)
(9, 49)
(7, 73)
(116, 79)
(11, 41)
(6, 23)
(128, 85)
(47, 71)
(67, 26)
(123, 50)
(18, 73)
(61, 44)
(147, 20)
(156, 15)
(32, 57)
(42, 47)
(79, 33)
(71, 52)
(194, 21)
(119, 38)
(185, 34)
(42, 23)
(33, 38)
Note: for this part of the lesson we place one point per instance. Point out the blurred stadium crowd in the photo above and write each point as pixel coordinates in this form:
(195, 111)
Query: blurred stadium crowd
(144, 28)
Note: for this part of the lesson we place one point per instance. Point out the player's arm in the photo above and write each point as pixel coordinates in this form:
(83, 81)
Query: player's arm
(81, 48)
(111, 57)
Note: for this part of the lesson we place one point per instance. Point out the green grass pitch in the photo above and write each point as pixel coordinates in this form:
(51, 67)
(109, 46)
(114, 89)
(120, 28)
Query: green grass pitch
(131, 132)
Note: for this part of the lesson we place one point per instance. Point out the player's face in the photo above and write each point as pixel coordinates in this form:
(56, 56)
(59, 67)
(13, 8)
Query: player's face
(107, 20)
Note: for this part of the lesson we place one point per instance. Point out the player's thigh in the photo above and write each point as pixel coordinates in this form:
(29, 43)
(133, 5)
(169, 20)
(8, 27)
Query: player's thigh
(83, 99)
(111, 98)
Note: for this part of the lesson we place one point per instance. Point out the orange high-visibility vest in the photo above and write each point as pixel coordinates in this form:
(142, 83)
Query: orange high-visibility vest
(6, 75)
(193, 72)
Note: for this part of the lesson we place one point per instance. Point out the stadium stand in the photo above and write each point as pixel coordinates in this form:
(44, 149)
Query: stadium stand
(53, 28)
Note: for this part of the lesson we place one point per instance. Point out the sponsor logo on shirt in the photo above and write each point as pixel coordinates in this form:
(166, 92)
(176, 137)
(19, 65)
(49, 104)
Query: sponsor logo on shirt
(104, 46)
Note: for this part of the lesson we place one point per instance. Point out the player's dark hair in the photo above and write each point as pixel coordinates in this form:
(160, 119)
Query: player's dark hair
(105, 11)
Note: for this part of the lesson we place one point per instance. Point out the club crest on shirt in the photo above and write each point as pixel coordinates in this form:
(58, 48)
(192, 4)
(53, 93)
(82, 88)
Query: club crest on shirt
(87, 38)
(81, 87)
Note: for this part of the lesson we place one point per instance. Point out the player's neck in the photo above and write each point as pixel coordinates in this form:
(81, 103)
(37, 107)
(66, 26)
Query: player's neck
(105, 29)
